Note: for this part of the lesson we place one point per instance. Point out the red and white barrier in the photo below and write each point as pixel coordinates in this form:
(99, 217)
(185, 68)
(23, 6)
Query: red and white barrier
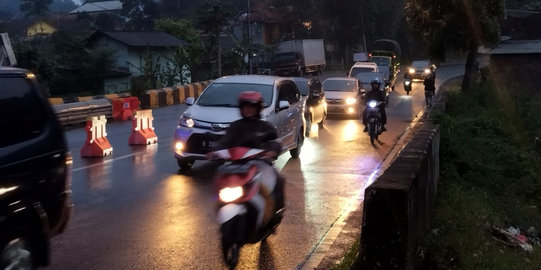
(142, 129)
(96, 144)
(123, 108)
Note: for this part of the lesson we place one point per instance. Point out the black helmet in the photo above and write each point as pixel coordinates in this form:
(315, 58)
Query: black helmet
(375, 81)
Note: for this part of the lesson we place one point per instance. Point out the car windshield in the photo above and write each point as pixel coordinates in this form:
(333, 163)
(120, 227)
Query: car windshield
(339, 85)
(420, 64)
(367, 77)
(285, 57)
(225, 94)
(357, 70)
(382, 61)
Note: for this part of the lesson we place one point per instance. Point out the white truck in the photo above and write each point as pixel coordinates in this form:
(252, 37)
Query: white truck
(299, 57)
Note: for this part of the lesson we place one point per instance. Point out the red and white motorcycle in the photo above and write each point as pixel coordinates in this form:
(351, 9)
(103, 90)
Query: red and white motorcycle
(247, 190)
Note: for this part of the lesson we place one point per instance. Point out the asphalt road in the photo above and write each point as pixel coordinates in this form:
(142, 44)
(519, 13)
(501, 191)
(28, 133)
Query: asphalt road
(134, 210)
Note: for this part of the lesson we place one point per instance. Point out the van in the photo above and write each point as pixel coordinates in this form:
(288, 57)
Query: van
(361, 67)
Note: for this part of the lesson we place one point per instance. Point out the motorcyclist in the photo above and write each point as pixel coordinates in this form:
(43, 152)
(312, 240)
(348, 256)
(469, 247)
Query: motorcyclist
(376, 94)
(252, 132)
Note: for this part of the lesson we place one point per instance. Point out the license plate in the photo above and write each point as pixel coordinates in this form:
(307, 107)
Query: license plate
(209, 144)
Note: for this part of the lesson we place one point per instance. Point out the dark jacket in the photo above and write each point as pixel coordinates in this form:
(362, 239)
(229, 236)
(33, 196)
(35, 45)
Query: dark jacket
(252, 133)
(375, 95)
(430, 83)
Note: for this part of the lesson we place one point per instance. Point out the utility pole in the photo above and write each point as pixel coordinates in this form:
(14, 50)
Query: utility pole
(249, 40)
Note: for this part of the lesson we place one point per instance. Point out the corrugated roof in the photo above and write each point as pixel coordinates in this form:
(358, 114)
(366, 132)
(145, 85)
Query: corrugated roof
(144, 39)
(517, 47)
(98, 6)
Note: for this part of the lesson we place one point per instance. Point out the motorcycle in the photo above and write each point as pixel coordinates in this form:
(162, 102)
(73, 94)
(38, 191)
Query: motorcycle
(407, 85)
(373, 116)
(247, 189)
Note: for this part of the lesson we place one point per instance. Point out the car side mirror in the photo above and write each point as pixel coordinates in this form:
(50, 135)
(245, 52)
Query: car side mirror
(315, 95)
(190, 101)
(283, 104)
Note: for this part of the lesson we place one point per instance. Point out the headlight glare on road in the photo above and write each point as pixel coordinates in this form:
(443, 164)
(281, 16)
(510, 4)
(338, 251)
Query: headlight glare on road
(229, 194)
(350, 101)
(186, 122)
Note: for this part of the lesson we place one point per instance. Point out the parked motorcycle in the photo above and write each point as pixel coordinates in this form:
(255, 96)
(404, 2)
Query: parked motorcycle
(407, 85)
(373, 116)
(247, 189)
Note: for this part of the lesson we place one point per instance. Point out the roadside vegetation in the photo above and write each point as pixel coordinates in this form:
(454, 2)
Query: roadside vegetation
(490, 154)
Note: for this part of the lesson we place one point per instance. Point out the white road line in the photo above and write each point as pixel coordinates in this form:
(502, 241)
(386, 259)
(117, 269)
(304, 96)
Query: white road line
(107, 161)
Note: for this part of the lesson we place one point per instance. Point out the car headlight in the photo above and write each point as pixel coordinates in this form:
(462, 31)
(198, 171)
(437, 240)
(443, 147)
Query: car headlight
(350, 101)
(427, 71)
(186, 122)
(411, 70)
(372, 104)
(229, 194)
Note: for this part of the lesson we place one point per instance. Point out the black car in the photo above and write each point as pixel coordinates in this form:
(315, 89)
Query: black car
(315, 106)
(35, 172)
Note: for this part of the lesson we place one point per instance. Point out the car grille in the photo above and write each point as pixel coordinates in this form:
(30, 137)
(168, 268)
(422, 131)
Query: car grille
(202, 143)
(335, 101)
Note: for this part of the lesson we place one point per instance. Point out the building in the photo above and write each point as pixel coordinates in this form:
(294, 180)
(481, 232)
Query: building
(517, 59)
(131, 49)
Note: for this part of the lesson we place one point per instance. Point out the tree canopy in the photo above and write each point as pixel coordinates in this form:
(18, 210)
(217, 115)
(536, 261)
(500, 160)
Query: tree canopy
(456, 24)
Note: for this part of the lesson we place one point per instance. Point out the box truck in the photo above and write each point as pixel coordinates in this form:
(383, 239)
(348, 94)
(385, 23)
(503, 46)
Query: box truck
(299, 57)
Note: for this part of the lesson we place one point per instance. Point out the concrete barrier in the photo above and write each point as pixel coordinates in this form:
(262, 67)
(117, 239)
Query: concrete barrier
(398, 205)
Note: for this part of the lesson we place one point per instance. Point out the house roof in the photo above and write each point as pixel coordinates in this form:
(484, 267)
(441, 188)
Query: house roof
(517, 47)
(142, 39)
(98, 6)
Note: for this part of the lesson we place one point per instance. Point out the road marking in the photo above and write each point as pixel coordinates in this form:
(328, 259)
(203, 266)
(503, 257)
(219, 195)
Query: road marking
(107, 161)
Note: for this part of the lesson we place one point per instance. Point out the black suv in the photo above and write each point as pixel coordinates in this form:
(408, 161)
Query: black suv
(35, 172)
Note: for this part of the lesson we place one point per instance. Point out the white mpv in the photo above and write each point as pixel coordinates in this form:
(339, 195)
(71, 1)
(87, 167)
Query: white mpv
(208, 117)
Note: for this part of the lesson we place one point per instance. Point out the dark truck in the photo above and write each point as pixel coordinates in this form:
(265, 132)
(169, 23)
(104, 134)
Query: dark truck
(299, 57)
(386, 53)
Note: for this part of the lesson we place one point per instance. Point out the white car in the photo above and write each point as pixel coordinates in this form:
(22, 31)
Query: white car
(343, 96)
(361, 67)
(208, 117)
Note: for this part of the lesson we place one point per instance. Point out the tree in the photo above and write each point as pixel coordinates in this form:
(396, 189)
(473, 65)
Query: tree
(35, 8)
(456, 24)
(214, 16)
(139, 13)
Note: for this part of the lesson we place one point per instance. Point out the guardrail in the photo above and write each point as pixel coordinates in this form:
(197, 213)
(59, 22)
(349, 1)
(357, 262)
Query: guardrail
(74, 113)
(78, 112)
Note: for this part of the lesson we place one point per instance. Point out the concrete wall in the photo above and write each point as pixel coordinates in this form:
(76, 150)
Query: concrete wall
(398, 205)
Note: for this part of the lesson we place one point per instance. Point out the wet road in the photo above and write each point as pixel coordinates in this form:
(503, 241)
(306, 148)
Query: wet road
(134, 210)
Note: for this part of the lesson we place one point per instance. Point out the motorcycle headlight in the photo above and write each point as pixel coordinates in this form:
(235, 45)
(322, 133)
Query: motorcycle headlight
(411, 70)
(350, 101)
(230, 194)
(372, 104)
(407, 83)
(186, 122)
